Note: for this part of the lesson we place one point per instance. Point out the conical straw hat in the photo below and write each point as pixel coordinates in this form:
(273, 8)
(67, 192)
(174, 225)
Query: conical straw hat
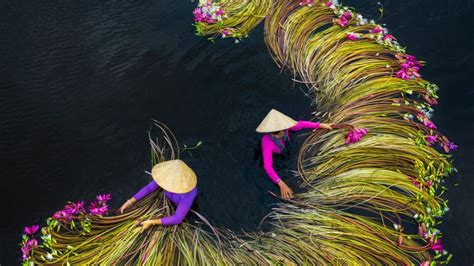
(275, 121)
(174, 176)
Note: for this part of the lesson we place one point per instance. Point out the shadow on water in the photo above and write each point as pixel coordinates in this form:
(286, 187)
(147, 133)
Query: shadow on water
(81, 81)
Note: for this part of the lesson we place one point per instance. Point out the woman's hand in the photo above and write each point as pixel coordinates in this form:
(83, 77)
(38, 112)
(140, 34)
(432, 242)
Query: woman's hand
(126, 205)
(146, 224)
(326, 126)
(286, 192)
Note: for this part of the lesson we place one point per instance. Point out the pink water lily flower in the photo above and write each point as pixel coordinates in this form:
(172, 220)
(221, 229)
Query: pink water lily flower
(402, 74)
(25, 251)
(347, 15)
(352, 36)
(225, 33)
(429, 124)
(448, 146)
(98, 209)
(306, 2)
(103, 198)
(355, 135)
(32, 243)
(452, 146)
(74, 208)
(344, 19)
(63, 215)
(209, 13)
(438, 246)
(389, 37)
(376, 30)
(342, 22)
(31, 230)
(431, 139)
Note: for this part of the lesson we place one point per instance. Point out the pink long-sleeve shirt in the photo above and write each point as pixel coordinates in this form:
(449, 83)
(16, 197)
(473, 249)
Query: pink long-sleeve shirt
(269, 147)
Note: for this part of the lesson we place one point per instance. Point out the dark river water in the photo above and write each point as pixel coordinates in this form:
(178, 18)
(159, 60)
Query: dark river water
(80, 82)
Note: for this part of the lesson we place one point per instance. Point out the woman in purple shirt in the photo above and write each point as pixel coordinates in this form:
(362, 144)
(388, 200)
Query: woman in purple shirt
(276, 127)
(178, 181)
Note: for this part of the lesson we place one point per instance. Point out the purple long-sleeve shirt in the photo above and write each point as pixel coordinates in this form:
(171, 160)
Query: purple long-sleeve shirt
(269, 147)
(184, 201)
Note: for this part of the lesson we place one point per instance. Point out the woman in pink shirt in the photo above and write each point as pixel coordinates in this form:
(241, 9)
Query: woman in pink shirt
(276, 127)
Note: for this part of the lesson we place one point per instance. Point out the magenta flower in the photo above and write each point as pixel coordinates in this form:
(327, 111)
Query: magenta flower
(431, 139)
(225, 33)
(342, 22)
(77, 207)
(438, 246)
(429, 124)
(209, 13)
(402, 74)
(32, 243)
(452, 146)
(103, 198)
(98, 209)
(352, 36)
(355, 135)
(328, 4)
(306, 2)
(376, 30)
(344, 19)
(389, 37)
(63, 216)
(80, 206)
(25, 252)
(448, 146)
(31, 230)
(347, 15)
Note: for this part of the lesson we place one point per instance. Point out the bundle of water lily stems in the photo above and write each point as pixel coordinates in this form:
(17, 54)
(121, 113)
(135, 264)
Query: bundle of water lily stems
(371, 201)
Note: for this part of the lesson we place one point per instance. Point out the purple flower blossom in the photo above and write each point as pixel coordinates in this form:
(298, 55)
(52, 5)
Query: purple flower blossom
(209, 13)
(429, 124)
(344, 19)
(352, 36)
(63, 215)
(347, 15)
(98, 209)
(431, 139)
(355, 135)
(103, 198)
(376, 30)
(410, 66)
(438, 246)
(25, 252)
(32, 243)
(306, 2)
(402, 74)
(452, 146)
(31, 230)
(448, 146)
(389, 37)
